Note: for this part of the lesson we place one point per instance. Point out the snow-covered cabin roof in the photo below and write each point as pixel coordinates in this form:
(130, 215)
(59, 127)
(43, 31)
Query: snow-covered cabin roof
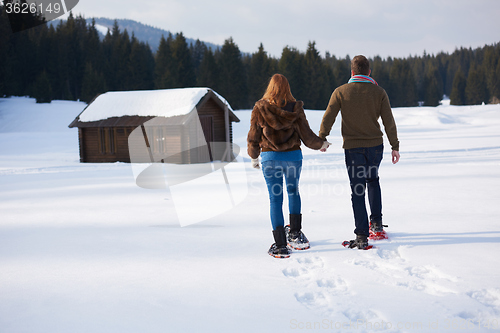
(146, 103)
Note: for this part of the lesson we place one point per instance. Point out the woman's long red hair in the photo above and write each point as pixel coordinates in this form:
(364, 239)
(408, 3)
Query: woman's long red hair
(278, 91)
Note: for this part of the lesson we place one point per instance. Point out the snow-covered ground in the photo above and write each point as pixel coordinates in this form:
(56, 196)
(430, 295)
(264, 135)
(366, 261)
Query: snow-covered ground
(83, 249)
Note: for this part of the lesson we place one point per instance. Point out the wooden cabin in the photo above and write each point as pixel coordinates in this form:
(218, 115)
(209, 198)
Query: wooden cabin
(182, 126)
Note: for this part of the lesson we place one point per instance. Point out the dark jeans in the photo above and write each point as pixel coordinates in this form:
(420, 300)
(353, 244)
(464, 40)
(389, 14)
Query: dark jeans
(274, 171)
(362, 167)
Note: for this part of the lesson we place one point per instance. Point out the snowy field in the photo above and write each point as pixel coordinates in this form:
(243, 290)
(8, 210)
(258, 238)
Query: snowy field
(83, 249)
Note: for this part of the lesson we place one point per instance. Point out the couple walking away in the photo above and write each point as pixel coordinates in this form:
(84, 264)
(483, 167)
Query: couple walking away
(278, 125)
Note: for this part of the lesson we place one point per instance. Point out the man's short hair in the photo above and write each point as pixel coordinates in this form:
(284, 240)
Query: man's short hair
(360, 65)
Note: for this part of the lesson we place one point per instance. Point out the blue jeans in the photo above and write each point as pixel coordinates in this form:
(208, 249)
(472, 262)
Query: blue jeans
(273, 174)
(362, 167)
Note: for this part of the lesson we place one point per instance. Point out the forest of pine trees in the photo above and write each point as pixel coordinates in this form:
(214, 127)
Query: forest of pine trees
(71, 62)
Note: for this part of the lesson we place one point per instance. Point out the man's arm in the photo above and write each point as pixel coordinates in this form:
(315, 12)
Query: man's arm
(389, 123)
(390, 127)
(329, 117)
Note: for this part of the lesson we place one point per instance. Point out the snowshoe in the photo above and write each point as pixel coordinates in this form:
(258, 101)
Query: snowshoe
(279, 252)
(279, 249)
(377, 231)
(361, 243)
(296, 239)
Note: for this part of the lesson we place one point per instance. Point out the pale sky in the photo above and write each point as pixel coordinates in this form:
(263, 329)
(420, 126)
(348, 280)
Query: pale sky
(396, 28)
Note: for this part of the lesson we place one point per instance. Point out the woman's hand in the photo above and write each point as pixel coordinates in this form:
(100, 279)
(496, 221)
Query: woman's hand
(325, 146)
(255, 163)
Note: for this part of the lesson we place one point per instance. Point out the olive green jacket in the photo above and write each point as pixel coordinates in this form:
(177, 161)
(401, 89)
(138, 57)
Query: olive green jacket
(361, 104)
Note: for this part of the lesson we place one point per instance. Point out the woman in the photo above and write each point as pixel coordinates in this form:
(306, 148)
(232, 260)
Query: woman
(277, 126)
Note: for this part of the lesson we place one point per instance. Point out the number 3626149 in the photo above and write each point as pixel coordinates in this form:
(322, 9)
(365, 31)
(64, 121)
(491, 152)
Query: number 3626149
(27, 8)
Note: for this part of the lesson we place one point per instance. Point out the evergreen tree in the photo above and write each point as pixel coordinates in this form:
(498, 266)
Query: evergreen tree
(259, 74)
(291, 65)
(232, 75)
(432, 92)
(420, 72)
(19, 64)
(142, 66)
(342, 71)
(457, 95)
(77, 60)
(209, 72)
(441, 64)
(106, 66)
(451, 71)
(432, 88)
(92, 47)
(495, 86)
(410, 87)
(70, 57)
(316, 87)
(465, 58)
(182, 69)
(5, 44)
(329, 77)
(65, 50)
(42, 90)
(197, 51)
(121, 56)
(380, 72)
(164, 77)
(491, 68)
(47, 56)
(93, 84)
(402, 88)
(475, 90)
(394, 89)
(116, 51)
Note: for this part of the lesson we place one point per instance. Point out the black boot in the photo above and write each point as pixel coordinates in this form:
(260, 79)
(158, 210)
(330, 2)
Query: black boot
(295, 223)
(377, 231)
(296, 238)
(361, 242)
(376, 226)
(279, 249)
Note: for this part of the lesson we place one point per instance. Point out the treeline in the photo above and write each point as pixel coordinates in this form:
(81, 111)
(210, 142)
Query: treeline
(70, 62)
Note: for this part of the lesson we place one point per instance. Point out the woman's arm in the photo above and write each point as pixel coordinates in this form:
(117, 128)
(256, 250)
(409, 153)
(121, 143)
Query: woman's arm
(254, 135)
(306, 134)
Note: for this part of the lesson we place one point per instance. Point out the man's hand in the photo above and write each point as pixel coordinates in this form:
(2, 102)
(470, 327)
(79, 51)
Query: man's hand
(395, 156)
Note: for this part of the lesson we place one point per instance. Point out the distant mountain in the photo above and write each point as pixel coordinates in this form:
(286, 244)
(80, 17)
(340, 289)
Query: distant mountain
(142, 32)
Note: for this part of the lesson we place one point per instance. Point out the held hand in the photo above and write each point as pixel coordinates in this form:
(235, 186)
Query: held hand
(255, 163)
(395, 156)
(325, 146)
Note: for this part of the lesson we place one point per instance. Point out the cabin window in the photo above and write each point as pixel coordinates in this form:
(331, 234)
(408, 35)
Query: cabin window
(107, 140)
(159, 140)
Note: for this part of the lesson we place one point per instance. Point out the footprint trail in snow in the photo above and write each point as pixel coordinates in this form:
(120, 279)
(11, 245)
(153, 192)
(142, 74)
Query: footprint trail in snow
(322, 290)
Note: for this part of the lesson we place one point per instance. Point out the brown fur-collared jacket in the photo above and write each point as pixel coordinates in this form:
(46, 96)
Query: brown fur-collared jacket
(274, 129)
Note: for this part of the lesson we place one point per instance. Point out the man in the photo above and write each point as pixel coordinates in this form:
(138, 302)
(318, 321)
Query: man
(362, 102)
